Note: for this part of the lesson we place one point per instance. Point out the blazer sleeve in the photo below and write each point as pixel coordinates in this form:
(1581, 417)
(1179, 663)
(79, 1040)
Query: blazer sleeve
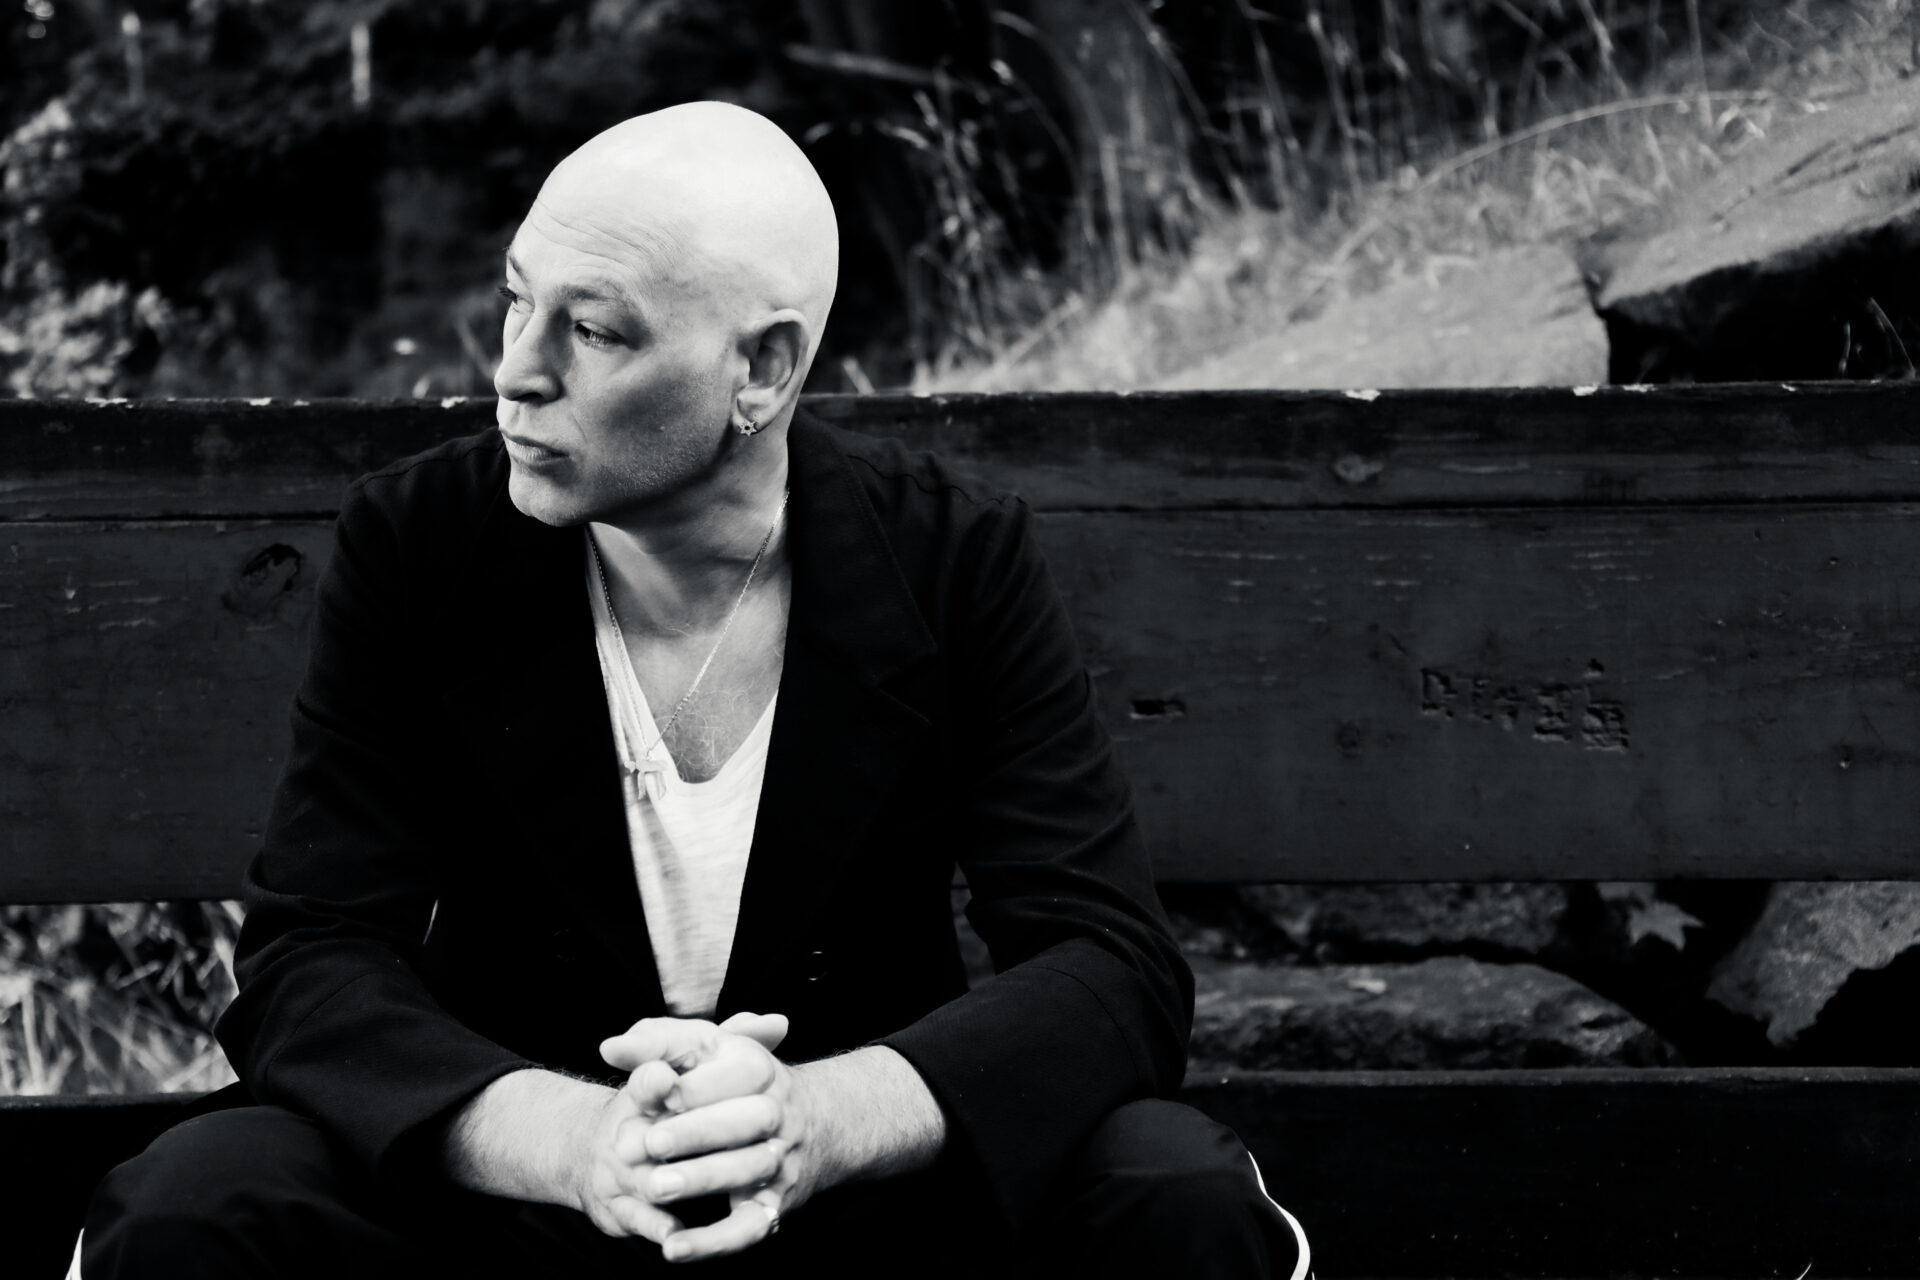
(333, 1018)
(1092, 1004)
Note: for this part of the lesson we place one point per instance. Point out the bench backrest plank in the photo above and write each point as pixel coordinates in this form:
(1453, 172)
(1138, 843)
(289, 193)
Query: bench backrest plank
(1428, 635)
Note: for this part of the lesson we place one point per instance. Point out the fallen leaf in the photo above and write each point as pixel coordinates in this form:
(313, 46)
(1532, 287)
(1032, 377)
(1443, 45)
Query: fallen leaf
(1662, 920)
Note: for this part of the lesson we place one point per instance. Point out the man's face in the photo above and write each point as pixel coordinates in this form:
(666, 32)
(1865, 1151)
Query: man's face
(616, 371)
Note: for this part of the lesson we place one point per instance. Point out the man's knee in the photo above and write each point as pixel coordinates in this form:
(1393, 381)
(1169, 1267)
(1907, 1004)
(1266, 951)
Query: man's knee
(1162, 1181)
(210, 1196)
(1154, 1136)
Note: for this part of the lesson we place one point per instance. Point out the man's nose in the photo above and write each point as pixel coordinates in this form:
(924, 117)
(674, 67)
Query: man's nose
(525, 371)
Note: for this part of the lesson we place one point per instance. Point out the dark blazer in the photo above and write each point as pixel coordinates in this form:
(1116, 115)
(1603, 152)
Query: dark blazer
(445, 893)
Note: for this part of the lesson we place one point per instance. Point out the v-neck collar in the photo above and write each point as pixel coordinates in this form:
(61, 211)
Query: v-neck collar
(634, 725)
(845, 723)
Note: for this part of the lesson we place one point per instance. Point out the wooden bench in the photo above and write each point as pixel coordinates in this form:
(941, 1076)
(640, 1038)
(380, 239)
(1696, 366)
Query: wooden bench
(1548, 635)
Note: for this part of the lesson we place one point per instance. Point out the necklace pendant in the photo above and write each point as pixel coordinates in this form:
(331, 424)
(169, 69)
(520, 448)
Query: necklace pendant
(649, 776)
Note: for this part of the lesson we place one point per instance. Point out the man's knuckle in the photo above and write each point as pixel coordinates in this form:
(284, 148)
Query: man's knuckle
(630, 1140)
(615, 1216)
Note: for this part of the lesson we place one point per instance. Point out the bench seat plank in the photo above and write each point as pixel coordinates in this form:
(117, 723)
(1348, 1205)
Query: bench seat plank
(1747, 1172)
(55, 1150)
(1751, 1172)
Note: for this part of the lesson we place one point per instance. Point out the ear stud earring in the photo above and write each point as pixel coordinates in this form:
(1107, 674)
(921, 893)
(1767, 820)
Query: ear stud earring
(747, 427)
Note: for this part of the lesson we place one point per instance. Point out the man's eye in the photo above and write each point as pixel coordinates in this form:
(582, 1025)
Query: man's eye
(514, 300)
(595, 337)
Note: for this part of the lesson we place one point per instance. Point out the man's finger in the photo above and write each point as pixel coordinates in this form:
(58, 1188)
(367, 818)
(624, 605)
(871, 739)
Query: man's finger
(729, 1123)
(630, 1141)
(734, 1070)
(676, 1041)
(741, 1169)
(750, 1222)
(638, 1218)
(765, 1029)
(647, 1089)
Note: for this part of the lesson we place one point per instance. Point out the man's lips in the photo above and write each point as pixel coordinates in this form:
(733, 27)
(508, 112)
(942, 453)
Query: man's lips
(530, 450)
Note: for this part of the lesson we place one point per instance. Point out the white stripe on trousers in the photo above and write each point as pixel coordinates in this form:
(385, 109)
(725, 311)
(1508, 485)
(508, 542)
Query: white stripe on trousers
(1299, 1234)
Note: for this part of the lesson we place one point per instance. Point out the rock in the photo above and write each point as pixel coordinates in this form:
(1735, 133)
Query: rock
(1368, 921)
(1798, 260)
(1519, 317)
(1811, 938)
(1445, 1012)
(1226, 922)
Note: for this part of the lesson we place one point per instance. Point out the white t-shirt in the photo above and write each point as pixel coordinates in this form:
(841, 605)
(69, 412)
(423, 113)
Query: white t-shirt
(689, 840)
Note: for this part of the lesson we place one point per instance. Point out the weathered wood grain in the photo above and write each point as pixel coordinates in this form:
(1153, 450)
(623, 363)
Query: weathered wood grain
(1523, 694)
(68, 459)
(1552, 693)
(1187, 451)
(145, 678)
(1709, 1173)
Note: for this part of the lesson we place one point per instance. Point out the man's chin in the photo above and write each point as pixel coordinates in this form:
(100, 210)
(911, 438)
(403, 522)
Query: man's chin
(544, 501)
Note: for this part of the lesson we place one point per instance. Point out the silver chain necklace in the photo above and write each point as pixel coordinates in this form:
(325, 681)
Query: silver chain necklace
(600, 571)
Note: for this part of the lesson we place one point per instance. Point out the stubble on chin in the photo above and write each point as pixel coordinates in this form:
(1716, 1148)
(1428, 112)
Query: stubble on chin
(542, 500)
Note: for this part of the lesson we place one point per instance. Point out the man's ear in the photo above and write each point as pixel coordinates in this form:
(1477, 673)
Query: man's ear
(774, 366)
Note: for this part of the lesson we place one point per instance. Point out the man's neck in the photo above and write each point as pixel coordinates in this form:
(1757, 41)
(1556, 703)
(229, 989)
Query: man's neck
(677, 567)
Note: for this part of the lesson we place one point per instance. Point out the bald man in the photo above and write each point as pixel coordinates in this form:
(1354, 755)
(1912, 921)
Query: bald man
(602, 923)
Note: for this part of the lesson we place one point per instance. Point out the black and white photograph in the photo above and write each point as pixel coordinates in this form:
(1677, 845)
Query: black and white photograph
(995, 639)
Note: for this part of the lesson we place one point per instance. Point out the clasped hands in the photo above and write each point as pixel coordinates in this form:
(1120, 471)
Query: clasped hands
(706, 1109)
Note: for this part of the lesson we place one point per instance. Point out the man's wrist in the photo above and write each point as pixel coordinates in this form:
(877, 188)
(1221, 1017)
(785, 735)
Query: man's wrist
(829, 1161)
(867, 1114)
(526, 1136)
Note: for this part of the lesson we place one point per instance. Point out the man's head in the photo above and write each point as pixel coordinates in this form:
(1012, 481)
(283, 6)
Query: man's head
(670, 283)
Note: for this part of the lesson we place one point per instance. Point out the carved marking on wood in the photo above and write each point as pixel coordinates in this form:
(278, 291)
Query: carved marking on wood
(267, 577)
(1556, 707)
(1603, 726)
(1552, 701)
(1352, 469)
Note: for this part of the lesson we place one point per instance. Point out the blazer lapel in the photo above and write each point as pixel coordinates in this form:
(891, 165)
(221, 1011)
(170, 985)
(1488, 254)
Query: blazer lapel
(840, 735)
(534, 700)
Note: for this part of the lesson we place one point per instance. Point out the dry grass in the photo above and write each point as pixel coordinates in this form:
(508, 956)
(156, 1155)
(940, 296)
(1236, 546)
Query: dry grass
(1577, 144)
(118, 998)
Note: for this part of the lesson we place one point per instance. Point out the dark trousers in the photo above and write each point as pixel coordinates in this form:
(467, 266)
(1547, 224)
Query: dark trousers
(1159, 1190)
